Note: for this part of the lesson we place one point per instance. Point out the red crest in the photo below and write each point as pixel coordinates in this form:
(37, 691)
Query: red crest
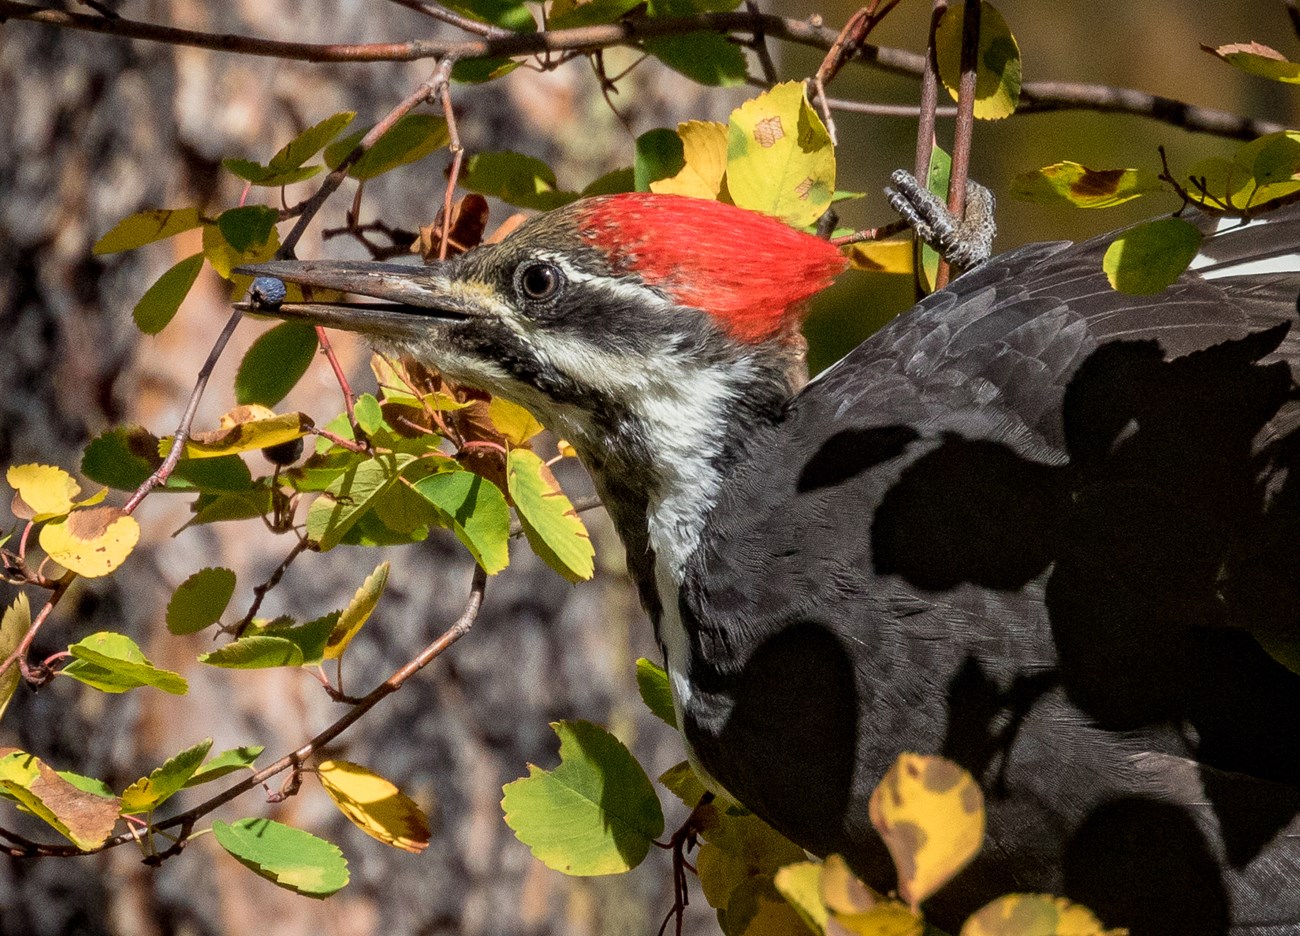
(752, 273)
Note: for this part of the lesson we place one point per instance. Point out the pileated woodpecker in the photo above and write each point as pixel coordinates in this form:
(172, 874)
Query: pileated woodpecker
(1034, 524)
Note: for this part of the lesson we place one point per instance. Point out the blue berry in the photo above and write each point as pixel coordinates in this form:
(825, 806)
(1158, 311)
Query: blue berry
(267, 291)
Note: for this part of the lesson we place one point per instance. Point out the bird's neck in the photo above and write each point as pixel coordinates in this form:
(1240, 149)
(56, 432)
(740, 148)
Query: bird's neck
(661, 469)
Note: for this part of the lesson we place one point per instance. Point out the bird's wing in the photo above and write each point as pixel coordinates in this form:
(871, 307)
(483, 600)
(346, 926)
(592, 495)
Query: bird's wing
(1028, 494)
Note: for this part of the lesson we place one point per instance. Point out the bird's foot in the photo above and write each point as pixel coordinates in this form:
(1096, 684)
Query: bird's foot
(965, 242)
(680, 844)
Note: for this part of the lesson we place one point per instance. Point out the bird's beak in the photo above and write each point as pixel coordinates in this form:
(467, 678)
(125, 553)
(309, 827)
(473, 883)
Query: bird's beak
(410, 299)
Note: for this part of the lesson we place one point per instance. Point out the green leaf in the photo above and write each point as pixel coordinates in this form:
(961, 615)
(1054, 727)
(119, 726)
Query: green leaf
(514, 178)
(612, 183)
(652, 683)
(286, 166)
(276, 644)
(1256, 59)
(659, 155)
(274, 363)
(567, 14)
(508, 14)
(354, 616)
(997, 68)
(412, 138)
(216, 508)
(476, 511)
(225, 474)
(293, 859)
(1147, 258)
(145, 227)
(256, 652)
(112, 662)
(937, 182)
(88, 784)
(83, 817)
(15, 623)
(148, 793)
(351, 494)
(161, 300)
(370, 417)
(257, 174)
(1070, 183)
(121, 457)
(247, 226)
(779, 156)
(553, 527)
(596, 813)
(683, 782)
(227, 762)
(200, 600)
(311, 141)
(478, 71)
(706, 57)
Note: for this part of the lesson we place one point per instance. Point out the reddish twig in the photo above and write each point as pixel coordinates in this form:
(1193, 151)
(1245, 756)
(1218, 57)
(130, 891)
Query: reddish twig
(453, 174)
(871, 234)
(964, 132)
(19, 655)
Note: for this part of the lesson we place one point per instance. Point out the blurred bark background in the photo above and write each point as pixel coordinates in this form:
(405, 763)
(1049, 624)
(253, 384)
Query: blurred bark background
(94, 128)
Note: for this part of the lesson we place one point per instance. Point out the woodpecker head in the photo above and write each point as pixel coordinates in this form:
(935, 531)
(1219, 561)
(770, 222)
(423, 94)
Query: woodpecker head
(618, 320)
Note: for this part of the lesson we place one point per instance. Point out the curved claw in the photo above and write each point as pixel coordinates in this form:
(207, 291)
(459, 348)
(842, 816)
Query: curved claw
(964, 243)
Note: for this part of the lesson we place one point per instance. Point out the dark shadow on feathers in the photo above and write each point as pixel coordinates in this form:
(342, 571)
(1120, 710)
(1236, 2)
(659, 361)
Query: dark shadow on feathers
(1173, 531)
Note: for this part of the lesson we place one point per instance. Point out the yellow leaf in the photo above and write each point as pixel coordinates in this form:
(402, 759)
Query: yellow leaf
(883, 256)
(92, 541)
(357, 612)
(930, 812)
(44, 491)
(780, 160)
(997, 68)
(800, 885)
(1034, 915)
(857, 909)
(85, 819)
(704, 147)
(375, 805)
(244, 429)
(1071, 183)
(513, 421)
(14, 625)
(565, 448)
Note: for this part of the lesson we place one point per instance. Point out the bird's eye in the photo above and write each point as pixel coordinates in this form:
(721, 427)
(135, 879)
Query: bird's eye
(539, 280)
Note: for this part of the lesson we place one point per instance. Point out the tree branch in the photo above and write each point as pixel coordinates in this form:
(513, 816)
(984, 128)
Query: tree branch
(23, 848)
(1036, 97)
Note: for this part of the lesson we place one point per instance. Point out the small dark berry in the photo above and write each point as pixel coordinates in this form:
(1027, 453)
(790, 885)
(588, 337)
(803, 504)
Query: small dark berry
(286, 453)
(267, 291)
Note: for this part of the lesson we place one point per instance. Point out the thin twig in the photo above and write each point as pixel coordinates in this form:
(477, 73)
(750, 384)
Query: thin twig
(20, 652)
(1035, 96)
(164, 470)
(295, 759)
(964, 132)
(430, 88)
(871, 234)
(259, 593)
(453, 175)
(434, 11)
